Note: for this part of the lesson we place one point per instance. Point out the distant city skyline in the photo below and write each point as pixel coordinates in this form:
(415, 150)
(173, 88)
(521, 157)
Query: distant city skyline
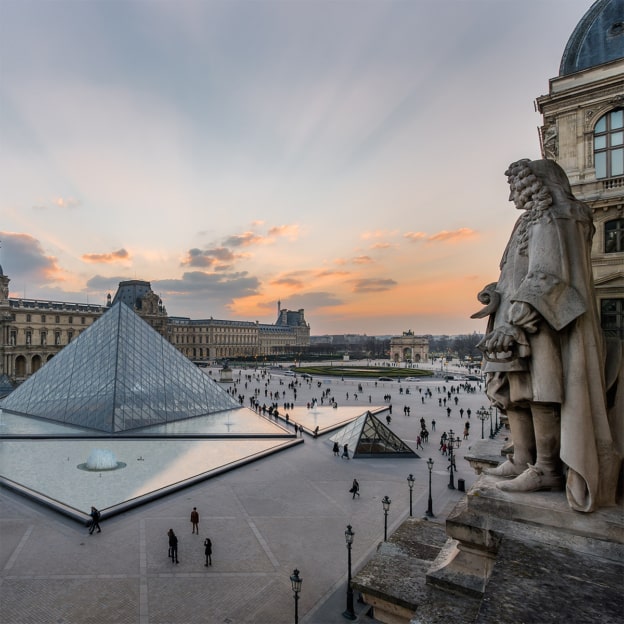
(344, 159)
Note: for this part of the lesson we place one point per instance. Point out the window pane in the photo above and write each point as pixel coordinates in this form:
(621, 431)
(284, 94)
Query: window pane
(601, 126)
(617, 119)
(617, 162)
(617, 138)
(600, 142)
(601, 165)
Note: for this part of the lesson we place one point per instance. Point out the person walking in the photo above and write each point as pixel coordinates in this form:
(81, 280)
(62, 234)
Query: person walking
(95, 521)
(345, 451)
(355, 488)
(336, 449)
(208, 551)
(195, 520)
(173, 546)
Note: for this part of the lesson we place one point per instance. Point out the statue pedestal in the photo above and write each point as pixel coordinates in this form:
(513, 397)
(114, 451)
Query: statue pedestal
(502, 558)
(487, 516)
(225, 375)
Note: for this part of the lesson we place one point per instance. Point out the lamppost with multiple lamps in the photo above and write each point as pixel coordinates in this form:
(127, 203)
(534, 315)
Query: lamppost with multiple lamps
(429, 511)
(349, 612)
(385, 502)
(410, 482)
(296, 581)
(483, 414)
(452, 443)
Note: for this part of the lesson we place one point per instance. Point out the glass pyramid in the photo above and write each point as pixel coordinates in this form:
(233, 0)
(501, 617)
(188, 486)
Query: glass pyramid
(368, 436)
(119, 374)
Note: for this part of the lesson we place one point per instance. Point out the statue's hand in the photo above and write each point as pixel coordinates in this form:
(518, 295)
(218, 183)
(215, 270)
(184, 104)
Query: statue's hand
(506, 339)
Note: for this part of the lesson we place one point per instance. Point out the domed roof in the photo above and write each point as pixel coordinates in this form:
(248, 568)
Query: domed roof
(598, 38)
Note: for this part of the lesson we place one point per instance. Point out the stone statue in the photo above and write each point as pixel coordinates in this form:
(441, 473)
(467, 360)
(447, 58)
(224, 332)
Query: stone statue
(544, 348)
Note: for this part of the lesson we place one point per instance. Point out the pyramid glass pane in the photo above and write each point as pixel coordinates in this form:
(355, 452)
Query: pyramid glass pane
(119, 374)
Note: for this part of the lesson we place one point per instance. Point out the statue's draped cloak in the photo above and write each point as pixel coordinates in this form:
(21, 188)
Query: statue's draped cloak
(547, 264)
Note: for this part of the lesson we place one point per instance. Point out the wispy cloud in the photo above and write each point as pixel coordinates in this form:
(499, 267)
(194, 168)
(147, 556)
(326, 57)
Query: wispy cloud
(362, 260)
(66, 203)
(444, 236)
(453, 235)
(244, 240)
(288, 231)
(416, 236)
(372, 284)
(107, 258)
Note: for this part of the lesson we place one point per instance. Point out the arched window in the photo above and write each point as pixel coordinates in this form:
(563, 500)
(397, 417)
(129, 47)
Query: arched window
(614, 236)
(609, 145)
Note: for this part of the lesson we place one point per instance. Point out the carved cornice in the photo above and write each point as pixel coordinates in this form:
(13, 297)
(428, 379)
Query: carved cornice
(593, 95)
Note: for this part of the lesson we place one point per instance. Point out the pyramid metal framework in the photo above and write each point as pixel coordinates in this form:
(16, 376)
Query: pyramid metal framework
(119, 374)
(368, 436)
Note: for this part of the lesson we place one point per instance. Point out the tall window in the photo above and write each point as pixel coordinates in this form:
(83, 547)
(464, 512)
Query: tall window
(609, 145)
(614, 236)
(612, 317)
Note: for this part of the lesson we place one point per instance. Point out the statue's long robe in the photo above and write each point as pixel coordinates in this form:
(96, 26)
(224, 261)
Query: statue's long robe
(547, 264)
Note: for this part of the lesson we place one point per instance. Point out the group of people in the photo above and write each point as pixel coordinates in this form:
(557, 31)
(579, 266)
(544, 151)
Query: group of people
(94, 524)
(345, 450)
(173, 540)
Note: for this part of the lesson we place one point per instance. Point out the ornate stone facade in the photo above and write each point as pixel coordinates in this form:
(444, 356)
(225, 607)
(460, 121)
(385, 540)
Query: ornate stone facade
(583, 131)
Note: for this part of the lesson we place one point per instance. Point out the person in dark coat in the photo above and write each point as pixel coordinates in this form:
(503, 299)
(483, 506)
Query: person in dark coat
(208, 551)
(355, 488)
(195, 520)
(173, 546)
(95, 521)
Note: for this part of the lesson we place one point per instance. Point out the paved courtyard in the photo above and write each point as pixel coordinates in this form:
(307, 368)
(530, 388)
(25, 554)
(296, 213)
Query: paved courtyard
(286, 511)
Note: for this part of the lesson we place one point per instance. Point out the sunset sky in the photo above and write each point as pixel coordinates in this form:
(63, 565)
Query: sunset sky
(346, 158)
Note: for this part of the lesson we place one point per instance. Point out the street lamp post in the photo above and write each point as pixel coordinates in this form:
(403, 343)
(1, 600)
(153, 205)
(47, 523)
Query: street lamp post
(349, 613)
(483, 415)
(410, 482)
(430, 502)
(385, 502)
(452, 443)
(296, 581)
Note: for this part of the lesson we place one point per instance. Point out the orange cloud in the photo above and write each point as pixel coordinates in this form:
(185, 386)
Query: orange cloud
(452, 236)
(244, 240)
(444, 236)
(378, 234)
(373, 285)
(290, 231)
(108, 258)
(291, 282)
(415, 236)
(362, 260)
(329, 273)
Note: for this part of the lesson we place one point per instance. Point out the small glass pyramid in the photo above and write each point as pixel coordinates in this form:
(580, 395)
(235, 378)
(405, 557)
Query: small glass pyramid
(368, 436)
(119, 374)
